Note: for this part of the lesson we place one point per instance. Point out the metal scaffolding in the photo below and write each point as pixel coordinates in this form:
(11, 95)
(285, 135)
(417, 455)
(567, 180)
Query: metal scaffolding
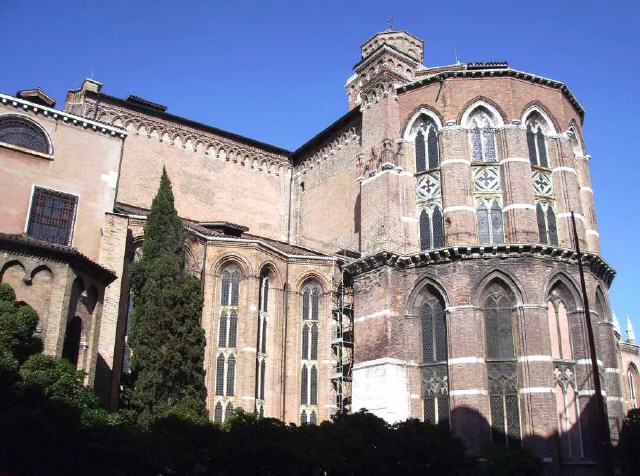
(342, 342)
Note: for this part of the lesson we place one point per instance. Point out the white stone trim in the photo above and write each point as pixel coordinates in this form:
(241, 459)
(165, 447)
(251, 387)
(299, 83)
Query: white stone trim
(586, 189)
(515, 159)
(248, 398)
(462, 306)
(470, 391)
(612, 370)
(564, 168)
(535, 358)
(592, 232)
(568, 215)
(589, 393)
(496, 117)
(249, 349)
(518, 206)
(409, 219)
(531, 390)
(381, 361)
(588, 362)
(459, 208)
(65, 116)
(427, 112)
(373, 315)
(551, 128)
(615, 399)
(455, 161)
(466, 360)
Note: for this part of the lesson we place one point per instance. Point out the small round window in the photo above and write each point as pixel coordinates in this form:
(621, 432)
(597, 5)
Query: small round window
(21, 132)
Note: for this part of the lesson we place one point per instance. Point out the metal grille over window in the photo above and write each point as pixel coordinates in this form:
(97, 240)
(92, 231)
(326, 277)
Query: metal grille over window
(217, 413)
(231, 375)
(228, 411)
(263, 377)
(21, 132)
(433, 367)
(489, 221)
(220, 375)
(421, 164)
(503, 398)
(227, 338)
(426, 144)
(233, 328)
(309, 346)
(546, 218)
(52, 216)
(261, 357)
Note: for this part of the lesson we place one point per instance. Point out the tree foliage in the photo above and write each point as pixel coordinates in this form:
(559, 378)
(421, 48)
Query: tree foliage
(167, 341)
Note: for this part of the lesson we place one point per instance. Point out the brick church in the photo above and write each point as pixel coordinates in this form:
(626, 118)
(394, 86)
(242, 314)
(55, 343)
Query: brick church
(415, 258)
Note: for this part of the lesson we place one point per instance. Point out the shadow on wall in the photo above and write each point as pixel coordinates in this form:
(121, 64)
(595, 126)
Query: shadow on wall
(558, 452)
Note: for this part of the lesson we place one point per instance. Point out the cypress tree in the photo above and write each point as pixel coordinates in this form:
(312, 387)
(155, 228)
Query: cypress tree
(167, 342)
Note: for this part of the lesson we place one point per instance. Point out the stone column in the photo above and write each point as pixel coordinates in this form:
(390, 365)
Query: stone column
(457, 187)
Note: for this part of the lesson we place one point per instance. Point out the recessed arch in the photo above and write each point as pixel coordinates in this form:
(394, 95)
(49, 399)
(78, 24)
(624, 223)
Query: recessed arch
(241, 262)
(22, 131)
(575, 135)
(567, 288)
(421, 110)
(503, 278)
(271, 268)
(537, 107)
(308, 278)
(424, 283)
(495, 111)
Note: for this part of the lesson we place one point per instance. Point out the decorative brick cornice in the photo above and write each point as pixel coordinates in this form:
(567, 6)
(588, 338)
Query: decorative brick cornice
(63, 116)
(458, 253)
(497, 73)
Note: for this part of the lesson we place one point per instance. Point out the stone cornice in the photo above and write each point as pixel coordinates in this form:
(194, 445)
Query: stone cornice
(63, 116)
(496, 73)
(457, 253)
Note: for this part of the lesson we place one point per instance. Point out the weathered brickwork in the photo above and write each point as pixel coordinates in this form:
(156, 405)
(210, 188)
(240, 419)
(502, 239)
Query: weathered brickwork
(441, 201)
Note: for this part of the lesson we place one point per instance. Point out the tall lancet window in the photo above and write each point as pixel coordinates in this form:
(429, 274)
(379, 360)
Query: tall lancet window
(261, 360)
(482, 137)
(225, 373)
(434, 357)
(536, 142)
(498, 306)
(311, 301)
(428, 191)
(489, 221)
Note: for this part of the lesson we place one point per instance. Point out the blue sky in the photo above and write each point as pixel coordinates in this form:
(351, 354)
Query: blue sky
(275, 70)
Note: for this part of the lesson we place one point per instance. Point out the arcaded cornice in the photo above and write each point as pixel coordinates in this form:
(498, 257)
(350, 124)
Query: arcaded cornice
(592, 261)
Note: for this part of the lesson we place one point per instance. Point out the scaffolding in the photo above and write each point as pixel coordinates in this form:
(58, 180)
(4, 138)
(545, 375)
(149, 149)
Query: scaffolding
(342, 341)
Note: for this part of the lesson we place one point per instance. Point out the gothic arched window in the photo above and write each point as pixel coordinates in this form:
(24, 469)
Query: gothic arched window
(547, 228)
(569, 427)
(431, 228)
(489, 221)
(228, 328)
(633, 384)
(22, 132)
(559, 329)
(434, 358)
(426, 144)
(310, 338)
(482, 133)
(536, 144)
(263, 315)
(502, 369)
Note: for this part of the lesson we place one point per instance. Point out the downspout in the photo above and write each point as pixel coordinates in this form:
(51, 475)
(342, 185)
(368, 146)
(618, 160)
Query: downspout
(260, 298)
(285, 301)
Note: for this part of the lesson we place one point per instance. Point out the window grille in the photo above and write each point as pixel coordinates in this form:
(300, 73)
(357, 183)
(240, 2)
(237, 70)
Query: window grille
(498, 328)
(263, 377)
(421, 165)
(265, 295)
(429, 409)
(434, 160)
(496, 223)
(551, 223)
(443, 411)
(303, 417)
(313, 397)
(531, 145)
(434, 332)
(427, 334)
(542, 149)
(52, 216)
(305, 341)
(438, 228)
(484, 235)
(220, 375)
(231, 375)
(315, 302)
(222, 337)
(542, 225)
(226, 285)
(234, 287)
(512, 412)
(228, 411)
(313, 418)
(314, 342)
(217, 413)
(261, 412)
(440, 334)
(425, 231)
(631, 382)
(483, 147)
(304, 385)
(497, 419)
(306, 301)
(264, 335)
(22, 132)
(233, 328)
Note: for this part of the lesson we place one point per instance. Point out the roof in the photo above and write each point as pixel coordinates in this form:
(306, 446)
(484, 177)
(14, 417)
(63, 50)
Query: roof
(482, 70)
(216, 234)
(153, 109)
(29, 246)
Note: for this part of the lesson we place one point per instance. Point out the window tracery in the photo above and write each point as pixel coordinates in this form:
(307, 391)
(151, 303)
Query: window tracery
(309, 352)
(22, 132)
(568, 410)
(546, 218)
(482, 137)
(489, 220)
(536, 144)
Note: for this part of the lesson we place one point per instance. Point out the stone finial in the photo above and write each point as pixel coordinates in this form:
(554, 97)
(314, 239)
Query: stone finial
(631, 335)
(616, 324)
